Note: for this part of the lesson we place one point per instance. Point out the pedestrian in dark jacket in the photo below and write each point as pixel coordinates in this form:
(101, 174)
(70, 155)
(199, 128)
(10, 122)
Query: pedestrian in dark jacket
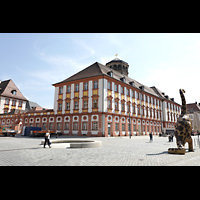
(151, 136)
(47, 139)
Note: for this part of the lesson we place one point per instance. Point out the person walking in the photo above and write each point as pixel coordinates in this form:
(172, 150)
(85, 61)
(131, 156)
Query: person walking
(151, 137)
(47, 139)
(172, 137)
(56, 133)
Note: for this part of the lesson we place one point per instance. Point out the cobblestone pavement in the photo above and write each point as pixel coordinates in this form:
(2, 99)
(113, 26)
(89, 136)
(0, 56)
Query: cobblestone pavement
(137, 151)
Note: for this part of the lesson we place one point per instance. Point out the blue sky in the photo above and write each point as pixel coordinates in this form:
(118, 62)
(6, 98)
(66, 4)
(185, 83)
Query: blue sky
(34, 61)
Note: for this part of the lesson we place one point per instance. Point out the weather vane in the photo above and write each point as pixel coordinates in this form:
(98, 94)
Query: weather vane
(116, 55)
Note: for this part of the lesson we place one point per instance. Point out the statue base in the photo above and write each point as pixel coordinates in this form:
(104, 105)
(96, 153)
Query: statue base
(176, 151)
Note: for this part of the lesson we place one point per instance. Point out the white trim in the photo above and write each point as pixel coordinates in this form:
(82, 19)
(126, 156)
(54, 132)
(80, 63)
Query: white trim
(94, 132)
(45, 121)
(65, 120)
(72, 101)
(97, 119)
(76, 119)
(31, 119)
(100, 93)
(36, 120)
(105, 95)
(50, 119)
(84, 120)
(64, 97)
(80, 97)
(89, 95)
(116, 119)
(109, 116)
(2, 102)
(55, 107)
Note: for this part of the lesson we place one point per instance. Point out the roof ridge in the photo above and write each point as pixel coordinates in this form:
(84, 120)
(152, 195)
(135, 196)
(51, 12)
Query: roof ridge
(99, 65)
(81, 73)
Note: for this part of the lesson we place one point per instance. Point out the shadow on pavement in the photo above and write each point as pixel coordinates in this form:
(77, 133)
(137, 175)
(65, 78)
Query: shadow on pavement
(19, 149)
(154, 154)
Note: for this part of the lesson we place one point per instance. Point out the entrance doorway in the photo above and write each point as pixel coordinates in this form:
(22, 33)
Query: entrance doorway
(109, 129)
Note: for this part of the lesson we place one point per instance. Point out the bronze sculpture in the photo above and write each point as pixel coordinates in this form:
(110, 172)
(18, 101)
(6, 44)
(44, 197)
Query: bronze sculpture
(183, 129)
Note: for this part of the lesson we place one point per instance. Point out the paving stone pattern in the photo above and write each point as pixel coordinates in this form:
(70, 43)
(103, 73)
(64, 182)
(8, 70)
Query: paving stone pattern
(137, 151)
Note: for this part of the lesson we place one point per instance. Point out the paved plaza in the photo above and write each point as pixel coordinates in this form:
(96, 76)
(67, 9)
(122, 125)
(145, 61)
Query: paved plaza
(121, 151)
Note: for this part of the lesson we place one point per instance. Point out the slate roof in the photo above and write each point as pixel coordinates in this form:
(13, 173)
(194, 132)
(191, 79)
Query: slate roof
(193, 107)
(97, 69)
(6, 88)
(30, 105)
(92, 70)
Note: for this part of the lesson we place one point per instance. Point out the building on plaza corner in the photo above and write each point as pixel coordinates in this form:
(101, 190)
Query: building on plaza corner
(101, 100)
(98, 101)
(193, 108)
(10, 97)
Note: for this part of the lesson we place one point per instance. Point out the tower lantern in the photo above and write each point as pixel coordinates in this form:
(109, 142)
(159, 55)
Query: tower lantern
(118, 65)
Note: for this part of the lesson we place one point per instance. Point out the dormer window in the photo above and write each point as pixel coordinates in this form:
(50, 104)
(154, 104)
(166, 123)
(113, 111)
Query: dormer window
(110, 74)
(166, 96)
(131, 83)
(122, 79)
(14, 92)
(142, 87)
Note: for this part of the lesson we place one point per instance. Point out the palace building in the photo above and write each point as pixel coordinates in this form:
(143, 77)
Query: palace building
(102, 100)
(98, 101)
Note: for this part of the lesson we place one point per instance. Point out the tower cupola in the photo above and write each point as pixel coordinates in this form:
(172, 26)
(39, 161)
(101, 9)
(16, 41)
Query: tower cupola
(118, 65)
